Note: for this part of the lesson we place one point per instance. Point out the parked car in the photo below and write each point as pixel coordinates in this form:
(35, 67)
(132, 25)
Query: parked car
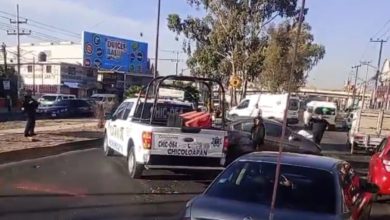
(66, 108)
(379, 168)
(310, 187)
(240, 139)
(49, 99)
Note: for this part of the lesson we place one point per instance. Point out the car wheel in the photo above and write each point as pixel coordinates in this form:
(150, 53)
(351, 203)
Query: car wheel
(135, 169)
(234, 116)
(107, 150)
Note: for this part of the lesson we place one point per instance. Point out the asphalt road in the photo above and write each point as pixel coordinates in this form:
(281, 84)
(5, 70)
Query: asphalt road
(87, 185)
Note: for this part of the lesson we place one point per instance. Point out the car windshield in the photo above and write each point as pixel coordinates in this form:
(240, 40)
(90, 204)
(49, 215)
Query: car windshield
(300, 188)
(325, 111)
(49, 98)
(97, 98)
(294, 104)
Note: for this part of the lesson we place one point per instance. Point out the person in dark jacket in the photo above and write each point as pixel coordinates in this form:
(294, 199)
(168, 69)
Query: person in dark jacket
(319, 126)
(30, 106)
(258, 132)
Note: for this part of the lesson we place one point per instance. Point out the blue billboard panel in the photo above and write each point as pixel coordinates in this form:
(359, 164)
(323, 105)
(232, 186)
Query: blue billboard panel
(112, 53)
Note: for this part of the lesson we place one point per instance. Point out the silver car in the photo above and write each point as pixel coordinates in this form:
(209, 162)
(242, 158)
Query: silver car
(310, 187)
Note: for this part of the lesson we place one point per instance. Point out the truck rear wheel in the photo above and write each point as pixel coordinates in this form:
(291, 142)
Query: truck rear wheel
(107, 150)
(135, 169)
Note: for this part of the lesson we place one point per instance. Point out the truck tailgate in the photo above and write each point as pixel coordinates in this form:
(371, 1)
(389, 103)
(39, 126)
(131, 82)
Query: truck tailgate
(206, 143)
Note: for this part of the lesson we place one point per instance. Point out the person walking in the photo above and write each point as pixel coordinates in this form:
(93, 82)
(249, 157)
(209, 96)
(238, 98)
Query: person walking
(29, 108)
(319, 125)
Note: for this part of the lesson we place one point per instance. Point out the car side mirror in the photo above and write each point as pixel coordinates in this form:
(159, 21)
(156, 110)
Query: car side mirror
(369, 187)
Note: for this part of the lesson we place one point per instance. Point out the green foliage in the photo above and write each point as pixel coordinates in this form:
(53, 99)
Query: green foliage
(133, 91)
(232, 38)
(279, 56)
(191, 94)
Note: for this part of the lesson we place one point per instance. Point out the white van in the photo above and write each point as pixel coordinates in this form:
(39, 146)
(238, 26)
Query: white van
(314, 108)
(49, 99)
(268, 106)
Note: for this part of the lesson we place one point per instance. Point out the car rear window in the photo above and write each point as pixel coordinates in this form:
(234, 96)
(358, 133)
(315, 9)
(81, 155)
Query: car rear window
(300, 188)
(162, 111)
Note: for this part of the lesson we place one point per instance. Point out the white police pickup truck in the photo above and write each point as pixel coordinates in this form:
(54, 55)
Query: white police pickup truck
(152, 139)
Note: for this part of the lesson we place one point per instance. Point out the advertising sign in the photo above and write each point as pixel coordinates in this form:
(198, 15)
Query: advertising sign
(116, 54)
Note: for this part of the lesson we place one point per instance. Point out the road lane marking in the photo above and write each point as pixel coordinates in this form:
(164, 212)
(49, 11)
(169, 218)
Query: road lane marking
(38, 187)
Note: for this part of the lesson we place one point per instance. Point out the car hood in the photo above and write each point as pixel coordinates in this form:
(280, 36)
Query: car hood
(207, 208)
(51, 107)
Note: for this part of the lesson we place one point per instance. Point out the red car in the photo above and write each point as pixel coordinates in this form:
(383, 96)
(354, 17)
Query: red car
(379, 169)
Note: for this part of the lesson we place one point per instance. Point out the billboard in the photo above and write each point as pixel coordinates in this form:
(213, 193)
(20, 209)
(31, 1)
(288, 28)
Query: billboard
(112, 53)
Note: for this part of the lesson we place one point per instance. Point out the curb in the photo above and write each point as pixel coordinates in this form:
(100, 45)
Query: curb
(33, 153)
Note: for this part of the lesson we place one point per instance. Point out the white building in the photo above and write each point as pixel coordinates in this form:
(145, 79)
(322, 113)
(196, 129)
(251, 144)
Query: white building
(53, 68)
(57, 68)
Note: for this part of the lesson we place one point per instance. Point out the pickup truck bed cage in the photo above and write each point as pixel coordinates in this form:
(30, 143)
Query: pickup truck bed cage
(152, 89)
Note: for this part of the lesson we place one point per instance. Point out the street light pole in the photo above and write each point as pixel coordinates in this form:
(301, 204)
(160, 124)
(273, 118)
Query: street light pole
(33, 66)
(277, 172)
(157, 37)
(354, 85)
(367, 63)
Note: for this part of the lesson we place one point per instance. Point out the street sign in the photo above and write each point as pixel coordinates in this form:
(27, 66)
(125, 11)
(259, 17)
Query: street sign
(6, 85)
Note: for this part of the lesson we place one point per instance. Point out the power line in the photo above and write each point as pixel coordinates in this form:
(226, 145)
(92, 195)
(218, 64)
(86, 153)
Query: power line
(50, 37)
(386, 23)
(64, 31)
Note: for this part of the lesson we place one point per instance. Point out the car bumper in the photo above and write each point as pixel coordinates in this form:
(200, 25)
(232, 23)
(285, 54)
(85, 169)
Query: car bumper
(292, 120)
(191, 163)
(383, 182)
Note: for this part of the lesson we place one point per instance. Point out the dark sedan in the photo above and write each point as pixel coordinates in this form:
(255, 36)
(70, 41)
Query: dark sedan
(66, 108)
(240, 139)
(309, 187)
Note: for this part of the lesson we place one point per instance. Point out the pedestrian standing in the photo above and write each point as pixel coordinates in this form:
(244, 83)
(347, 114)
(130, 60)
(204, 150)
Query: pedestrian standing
(100, 114)
(30, 106)
(258, 132)
(9, 103)
(319, 126)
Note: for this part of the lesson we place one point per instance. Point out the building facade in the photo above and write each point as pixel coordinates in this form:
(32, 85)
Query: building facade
(58, 68)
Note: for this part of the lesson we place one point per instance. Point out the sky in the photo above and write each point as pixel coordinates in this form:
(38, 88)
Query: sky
(344, 27)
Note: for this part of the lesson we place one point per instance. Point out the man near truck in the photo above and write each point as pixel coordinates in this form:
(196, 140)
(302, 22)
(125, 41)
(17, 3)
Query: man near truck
(319, 125)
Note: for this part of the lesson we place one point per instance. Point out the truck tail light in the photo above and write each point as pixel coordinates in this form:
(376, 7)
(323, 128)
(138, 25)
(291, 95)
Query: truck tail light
(225, 144)
(386, 163)
(147, 140)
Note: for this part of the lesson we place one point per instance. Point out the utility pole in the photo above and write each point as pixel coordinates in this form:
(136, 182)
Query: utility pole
(33, 72)
(175, 60)
(3, 49)
(354, 85)
(18, 33)
(381, 41)
(284, 127)
(367, 63)
(157, 36)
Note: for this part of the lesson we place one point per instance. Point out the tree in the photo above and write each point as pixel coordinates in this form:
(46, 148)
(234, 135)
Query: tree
(229, 39)
(133, 91)
(279, 55)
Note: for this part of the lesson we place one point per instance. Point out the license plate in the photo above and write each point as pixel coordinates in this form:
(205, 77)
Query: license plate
(53, 114)
(172, 146)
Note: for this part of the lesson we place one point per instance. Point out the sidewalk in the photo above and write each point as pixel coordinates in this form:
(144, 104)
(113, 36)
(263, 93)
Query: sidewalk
(50, 136)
